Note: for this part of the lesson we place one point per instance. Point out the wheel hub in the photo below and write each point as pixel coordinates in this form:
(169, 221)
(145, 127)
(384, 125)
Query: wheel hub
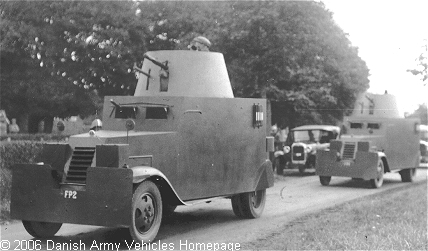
(256, 199)
(144, 213)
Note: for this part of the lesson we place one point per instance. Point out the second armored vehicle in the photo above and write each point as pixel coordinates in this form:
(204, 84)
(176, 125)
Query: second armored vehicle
(376, 140)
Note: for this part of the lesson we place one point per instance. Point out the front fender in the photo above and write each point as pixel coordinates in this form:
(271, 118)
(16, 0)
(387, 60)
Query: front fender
(265, 177)
(169, 195)
(382, 156)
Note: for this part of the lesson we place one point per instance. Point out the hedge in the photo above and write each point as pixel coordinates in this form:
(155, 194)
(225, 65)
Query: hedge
(33, 137)
(12, 153)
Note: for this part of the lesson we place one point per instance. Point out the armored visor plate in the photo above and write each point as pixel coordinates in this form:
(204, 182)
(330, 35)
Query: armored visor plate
(104, 201)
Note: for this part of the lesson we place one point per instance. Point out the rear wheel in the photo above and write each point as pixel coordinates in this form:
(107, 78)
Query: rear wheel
(378, 181)
(325, 180)
(146, 212)
(407, 175)
(41, 229)
(249, 205)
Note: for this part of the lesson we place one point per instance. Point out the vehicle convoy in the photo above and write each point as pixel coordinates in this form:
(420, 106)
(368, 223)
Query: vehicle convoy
(181, 139)
(375, 140)
(302, 144)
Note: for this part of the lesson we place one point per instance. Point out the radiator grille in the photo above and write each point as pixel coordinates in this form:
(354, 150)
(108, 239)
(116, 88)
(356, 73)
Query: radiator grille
(298, 153)
(81, 160)
(349, 150)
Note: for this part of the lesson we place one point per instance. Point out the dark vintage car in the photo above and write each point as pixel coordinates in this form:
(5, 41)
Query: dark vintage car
(302, 144)
(424, 151)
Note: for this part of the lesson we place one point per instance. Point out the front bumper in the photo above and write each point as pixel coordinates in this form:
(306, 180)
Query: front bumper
(364, 165)
(38, 195)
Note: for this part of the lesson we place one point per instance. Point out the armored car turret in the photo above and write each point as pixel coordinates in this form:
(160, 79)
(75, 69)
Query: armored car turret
(181, 138)
(375, 140)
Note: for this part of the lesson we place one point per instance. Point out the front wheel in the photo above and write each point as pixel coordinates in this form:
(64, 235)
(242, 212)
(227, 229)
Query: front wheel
(378, 181)
(325, 180)
(41, 229)
(407, 175)
(280, 164)
(249, 205)
(302, 169)
(146, 212)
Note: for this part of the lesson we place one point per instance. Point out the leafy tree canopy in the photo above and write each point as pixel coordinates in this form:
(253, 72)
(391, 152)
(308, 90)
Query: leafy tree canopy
(289, 52)
(57, 57)
(292, 53)
(422, 64)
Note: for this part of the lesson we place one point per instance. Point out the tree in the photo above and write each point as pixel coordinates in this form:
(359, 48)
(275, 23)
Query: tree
(70, 52)
(422, 66)
(292, 53)
(421, 113)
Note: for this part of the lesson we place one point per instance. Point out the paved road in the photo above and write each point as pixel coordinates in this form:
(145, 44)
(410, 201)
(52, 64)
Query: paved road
(292, 196)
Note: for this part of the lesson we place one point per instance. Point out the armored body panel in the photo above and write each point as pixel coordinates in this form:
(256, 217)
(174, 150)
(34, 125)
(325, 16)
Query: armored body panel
(376, 140)
(181, 137)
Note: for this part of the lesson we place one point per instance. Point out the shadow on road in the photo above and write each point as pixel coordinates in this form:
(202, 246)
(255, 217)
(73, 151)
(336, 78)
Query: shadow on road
(296, 173)
(354, 183)
(119, 238)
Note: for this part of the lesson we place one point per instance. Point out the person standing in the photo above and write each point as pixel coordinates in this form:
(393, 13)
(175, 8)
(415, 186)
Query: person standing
(13, 128)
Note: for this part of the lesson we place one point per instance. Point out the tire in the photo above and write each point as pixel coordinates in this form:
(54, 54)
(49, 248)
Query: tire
(146, 212)
(407, 175)
(249, 205)
(279, 170)
(302, 169)
(376, 183)
(41, 229)
(279, 166)
(325, 180)
(236, 205)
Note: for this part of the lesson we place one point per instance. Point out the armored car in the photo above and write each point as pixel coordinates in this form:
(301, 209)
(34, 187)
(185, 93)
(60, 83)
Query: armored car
(182, 138)
(375, 140)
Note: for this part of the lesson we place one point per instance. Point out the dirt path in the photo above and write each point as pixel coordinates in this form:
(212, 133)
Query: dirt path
(291, 197)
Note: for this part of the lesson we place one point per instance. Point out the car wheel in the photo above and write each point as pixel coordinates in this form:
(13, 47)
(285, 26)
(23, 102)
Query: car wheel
(325, 180)
(146, 212)
(378, 181)
(279, 167)
(41, 229)
(407, 175)
(302, 169)
(249, 205)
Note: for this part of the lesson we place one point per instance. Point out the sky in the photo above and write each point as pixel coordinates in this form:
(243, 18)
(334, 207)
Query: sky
(389, 35)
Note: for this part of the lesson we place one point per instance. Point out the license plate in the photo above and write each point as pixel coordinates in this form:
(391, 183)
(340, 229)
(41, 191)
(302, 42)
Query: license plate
(347, 163)
(70, 194)
(298, 154)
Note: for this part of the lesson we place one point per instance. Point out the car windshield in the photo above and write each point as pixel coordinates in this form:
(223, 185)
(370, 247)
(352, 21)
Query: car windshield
(311, 136)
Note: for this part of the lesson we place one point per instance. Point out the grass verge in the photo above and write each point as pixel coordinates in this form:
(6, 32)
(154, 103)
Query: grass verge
(391, 220)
